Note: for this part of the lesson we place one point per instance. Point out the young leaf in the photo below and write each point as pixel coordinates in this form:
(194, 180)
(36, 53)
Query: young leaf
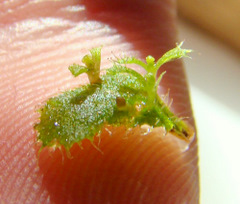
(76, 69)
(173, 54)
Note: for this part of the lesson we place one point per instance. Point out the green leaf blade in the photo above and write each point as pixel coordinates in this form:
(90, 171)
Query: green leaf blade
(173, 54)
(76, 69)
(81, 113)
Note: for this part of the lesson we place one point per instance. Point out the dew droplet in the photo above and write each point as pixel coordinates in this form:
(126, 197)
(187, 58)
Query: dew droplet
(146, 129)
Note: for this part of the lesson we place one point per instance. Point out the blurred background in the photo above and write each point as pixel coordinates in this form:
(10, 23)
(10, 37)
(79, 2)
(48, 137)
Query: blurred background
(212, 30)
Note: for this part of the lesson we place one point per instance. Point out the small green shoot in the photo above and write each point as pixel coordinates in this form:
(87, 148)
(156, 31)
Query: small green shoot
(122, 96)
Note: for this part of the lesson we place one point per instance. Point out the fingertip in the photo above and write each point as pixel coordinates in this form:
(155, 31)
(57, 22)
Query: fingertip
(130, 168)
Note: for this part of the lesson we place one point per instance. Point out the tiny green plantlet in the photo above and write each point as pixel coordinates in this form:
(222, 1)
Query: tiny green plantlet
(121, 96)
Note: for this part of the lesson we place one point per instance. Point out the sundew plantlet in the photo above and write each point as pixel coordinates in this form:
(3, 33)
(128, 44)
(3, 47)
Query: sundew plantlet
(122, 96)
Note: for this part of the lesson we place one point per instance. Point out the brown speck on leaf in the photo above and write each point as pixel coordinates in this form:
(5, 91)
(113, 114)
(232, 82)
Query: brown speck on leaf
(121, 102)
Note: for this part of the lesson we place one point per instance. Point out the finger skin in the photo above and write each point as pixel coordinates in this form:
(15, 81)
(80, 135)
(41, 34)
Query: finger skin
(37, 45)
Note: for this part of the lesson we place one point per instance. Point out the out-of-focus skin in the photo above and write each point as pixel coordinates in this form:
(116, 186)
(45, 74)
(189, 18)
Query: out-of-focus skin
(38, 40)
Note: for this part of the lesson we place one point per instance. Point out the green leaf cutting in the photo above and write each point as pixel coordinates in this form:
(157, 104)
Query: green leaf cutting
(122, 96)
